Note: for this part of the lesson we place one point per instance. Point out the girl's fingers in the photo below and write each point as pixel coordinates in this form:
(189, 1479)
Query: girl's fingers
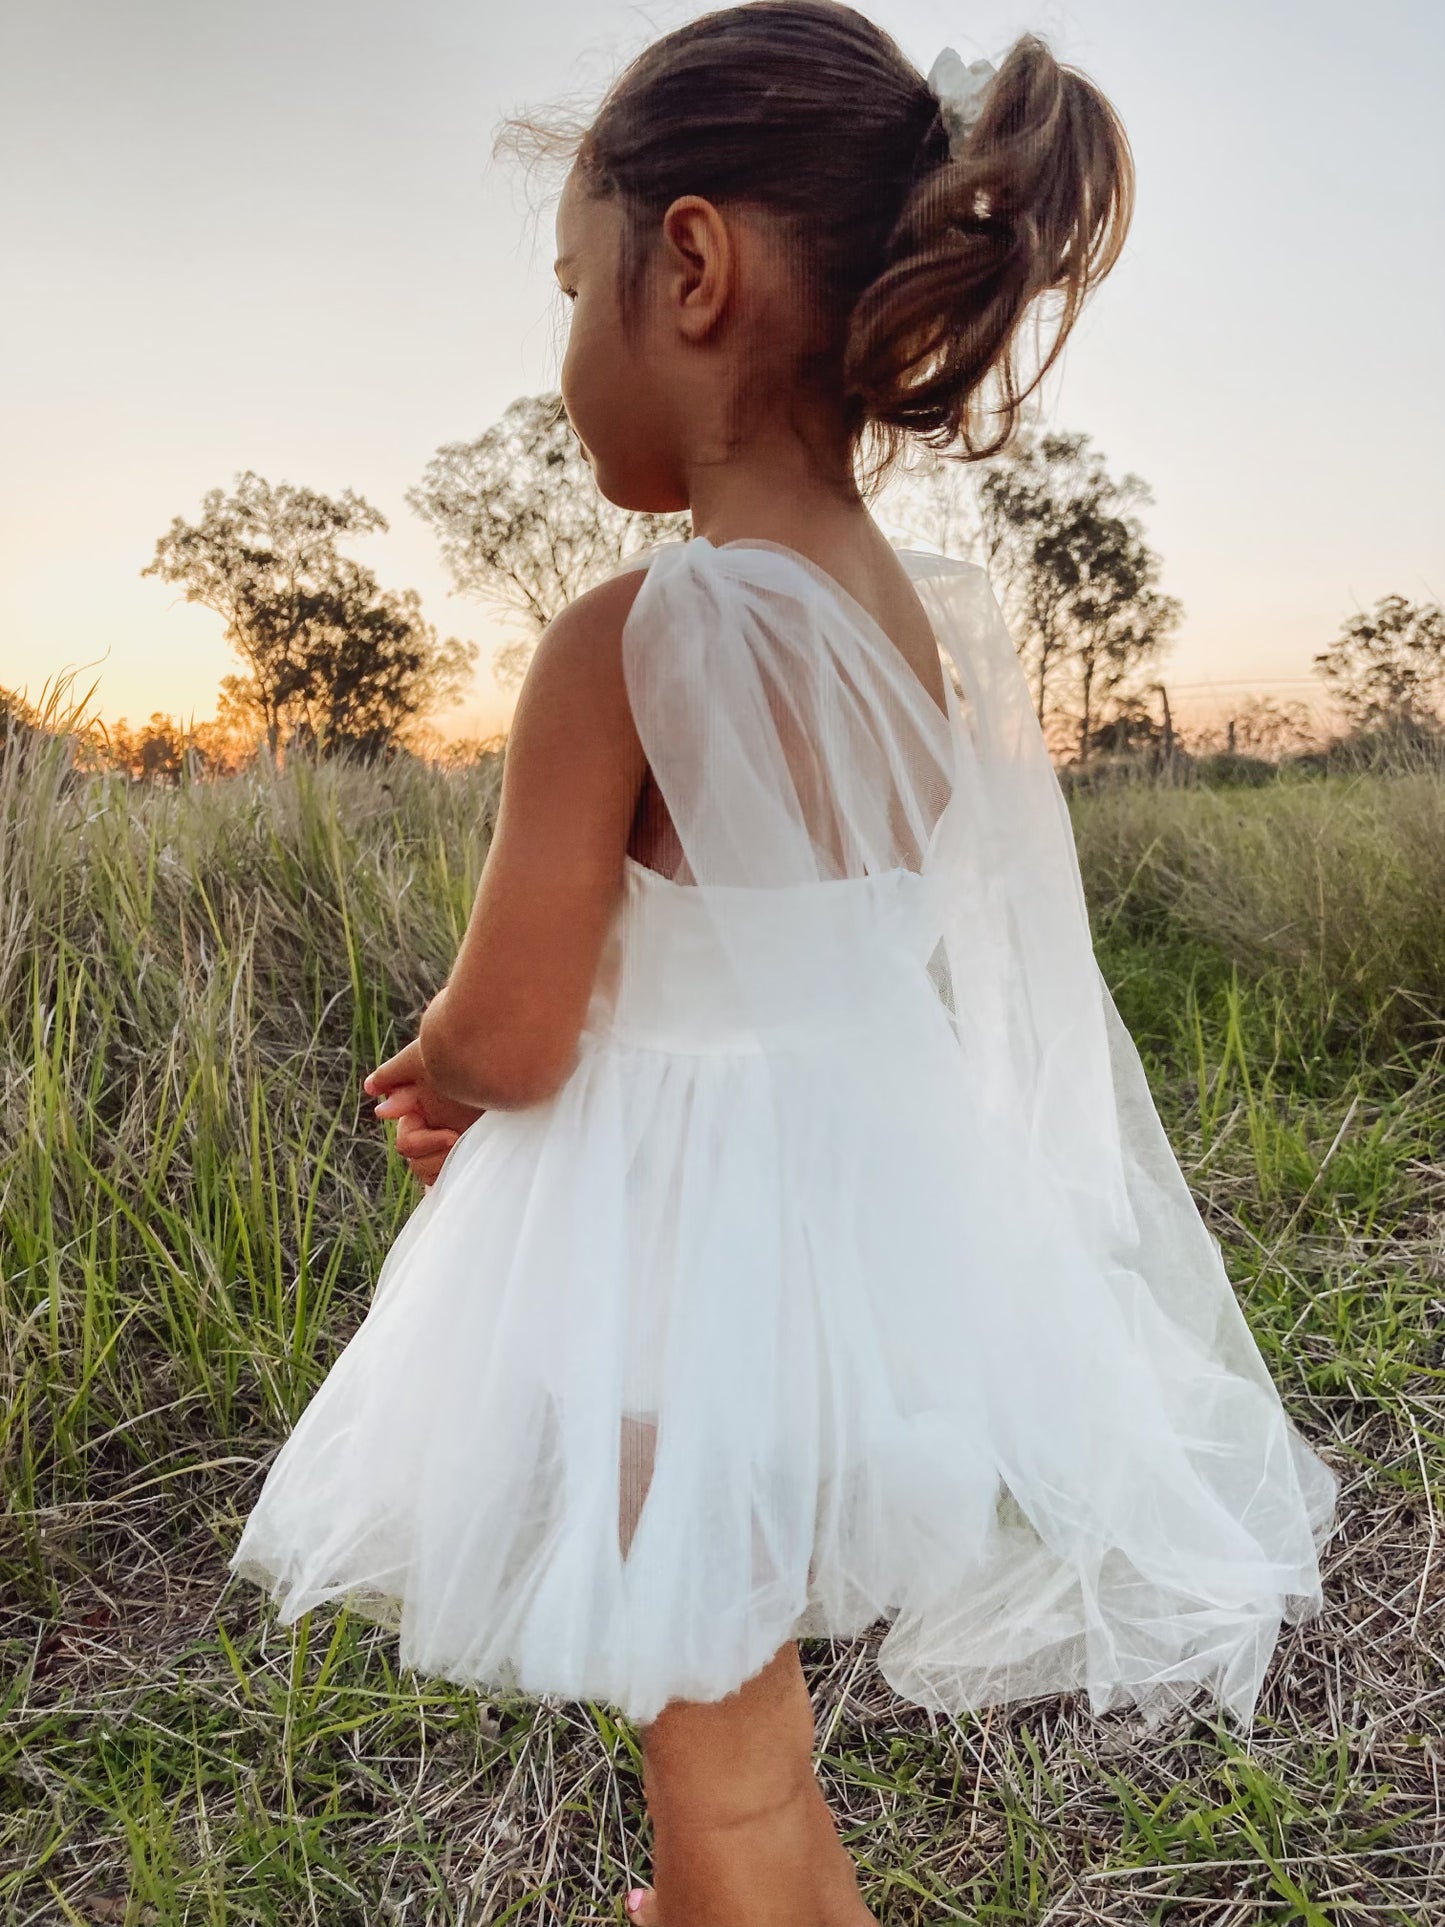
(415, 1140)
(426, 1170)
(402, 1068)
(406, 1097)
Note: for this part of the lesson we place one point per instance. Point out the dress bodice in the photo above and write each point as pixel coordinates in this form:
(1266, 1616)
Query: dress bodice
(752, 968)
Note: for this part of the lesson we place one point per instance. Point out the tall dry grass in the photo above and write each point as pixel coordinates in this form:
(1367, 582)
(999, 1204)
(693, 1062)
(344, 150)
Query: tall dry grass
(193, 1211)
(192, 983)
(1333, 887)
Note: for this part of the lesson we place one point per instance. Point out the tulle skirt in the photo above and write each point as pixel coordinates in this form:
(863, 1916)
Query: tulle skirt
(724, 1346)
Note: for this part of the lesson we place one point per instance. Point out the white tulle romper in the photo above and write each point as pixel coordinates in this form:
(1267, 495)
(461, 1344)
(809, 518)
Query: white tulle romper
(850, 1276)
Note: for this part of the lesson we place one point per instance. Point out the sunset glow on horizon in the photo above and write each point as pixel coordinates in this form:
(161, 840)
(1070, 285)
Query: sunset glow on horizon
(273, 239)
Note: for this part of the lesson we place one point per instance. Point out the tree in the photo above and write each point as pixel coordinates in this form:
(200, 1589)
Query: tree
(1387, 668)
(1066, 552)
(164, 750)
(19, 722)
(1066, 539)
(155, 753)
(521, 523)
(1118, 618)
(329, 656)
(1133, 730)
(1024, 545)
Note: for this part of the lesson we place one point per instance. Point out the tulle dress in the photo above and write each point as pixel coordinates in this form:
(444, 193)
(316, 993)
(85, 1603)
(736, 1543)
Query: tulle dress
(850, 1276)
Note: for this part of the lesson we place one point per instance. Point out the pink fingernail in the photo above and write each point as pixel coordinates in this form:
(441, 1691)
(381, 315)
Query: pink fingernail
(635, 1899)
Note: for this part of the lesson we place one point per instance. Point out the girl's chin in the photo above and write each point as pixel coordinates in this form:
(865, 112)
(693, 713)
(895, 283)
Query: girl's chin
(638, 494)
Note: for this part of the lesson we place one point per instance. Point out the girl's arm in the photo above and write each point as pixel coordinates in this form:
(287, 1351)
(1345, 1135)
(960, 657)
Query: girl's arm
(503, 1033)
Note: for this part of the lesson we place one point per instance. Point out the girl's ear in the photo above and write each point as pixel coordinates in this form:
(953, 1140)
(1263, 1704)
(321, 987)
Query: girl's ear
(699, 265)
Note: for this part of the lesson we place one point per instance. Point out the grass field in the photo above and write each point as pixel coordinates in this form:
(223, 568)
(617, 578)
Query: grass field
(192, 1213)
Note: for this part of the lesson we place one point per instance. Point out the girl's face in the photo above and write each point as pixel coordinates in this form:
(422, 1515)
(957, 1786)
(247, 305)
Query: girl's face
(615, 386)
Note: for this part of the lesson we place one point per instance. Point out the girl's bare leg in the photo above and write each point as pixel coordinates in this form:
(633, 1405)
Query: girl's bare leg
(742, 1836)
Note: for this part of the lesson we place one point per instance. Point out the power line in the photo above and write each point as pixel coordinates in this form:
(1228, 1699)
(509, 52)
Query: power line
(1251, 682)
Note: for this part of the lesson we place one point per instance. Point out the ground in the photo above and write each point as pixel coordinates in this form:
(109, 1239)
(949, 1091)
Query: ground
(191, 1216)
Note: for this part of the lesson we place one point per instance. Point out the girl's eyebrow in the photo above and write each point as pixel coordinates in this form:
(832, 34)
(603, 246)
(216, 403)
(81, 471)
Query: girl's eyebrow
(562, 261)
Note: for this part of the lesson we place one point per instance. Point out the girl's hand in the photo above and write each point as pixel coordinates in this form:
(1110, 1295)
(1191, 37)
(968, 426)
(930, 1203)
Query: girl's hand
(427, 1124)
(401, 1085)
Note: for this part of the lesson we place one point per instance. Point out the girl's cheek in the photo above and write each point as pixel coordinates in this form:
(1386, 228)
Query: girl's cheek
(573, 383)
(567, 382)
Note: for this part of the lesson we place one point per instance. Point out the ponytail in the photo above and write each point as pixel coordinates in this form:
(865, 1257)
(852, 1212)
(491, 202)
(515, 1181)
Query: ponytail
(1036, 202)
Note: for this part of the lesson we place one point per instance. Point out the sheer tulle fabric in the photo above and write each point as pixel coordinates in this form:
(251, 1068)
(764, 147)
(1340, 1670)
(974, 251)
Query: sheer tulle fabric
(850, 1276)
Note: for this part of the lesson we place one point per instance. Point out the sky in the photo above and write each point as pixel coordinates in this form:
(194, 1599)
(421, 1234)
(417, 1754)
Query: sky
(272, 237)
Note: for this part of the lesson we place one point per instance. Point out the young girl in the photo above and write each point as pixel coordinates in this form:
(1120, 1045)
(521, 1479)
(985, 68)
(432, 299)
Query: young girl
(804, 1249)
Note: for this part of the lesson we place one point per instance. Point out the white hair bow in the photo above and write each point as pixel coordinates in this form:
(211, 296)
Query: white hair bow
(960, 90)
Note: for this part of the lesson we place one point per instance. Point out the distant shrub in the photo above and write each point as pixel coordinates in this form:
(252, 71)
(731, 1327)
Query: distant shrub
(1229, 769)
(1403, 750)
(1147, 766)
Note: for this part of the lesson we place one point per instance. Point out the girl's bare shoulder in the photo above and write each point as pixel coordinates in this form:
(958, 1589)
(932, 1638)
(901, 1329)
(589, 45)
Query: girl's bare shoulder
(576, 670)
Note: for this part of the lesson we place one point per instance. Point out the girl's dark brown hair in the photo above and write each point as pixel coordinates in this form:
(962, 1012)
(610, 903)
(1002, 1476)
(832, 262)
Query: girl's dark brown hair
(921, 267)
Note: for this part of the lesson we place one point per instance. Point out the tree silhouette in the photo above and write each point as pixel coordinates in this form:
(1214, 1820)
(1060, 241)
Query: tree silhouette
(18, 720)
(521, 523)
(1387, 668)
(1066, 552)
(1067, 540)
(329, 655)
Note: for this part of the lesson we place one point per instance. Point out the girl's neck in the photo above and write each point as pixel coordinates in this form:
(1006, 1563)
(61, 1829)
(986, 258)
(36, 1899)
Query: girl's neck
(790, 479)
